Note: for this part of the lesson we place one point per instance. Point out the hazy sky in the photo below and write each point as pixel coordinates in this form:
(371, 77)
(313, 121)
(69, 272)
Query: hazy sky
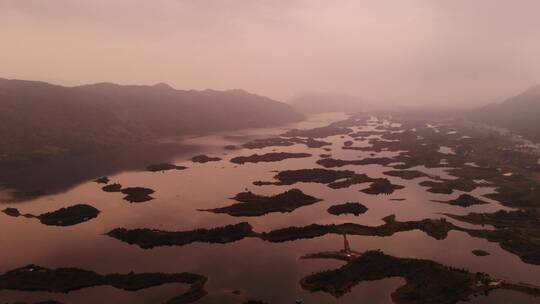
(413, 51)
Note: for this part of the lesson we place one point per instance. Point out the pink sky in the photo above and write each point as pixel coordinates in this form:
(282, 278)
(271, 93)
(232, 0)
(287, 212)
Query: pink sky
(417, 51)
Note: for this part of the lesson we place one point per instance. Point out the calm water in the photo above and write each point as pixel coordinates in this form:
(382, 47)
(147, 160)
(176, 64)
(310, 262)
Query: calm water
(260, 270)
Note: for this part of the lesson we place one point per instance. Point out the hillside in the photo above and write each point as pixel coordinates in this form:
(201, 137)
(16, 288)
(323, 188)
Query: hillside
(520, 114)
(40, 120)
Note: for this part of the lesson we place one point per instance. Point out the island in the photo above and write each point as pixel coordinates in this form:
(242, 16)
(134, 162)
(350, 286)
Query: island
(464, 200)
(115, 187)
(150, 238)
(447, 186)
(347, 208)
(516, 231)
(333, 163)
(64, 280)
(382, 186)
(164, 167)
(230, 147)
(436, 228)
(137, 194)
(480, 253)
(268, 157)
(251, 204)
(426, 281)
(333, 178)
(284, 142)
(102, 180)
(204, 159)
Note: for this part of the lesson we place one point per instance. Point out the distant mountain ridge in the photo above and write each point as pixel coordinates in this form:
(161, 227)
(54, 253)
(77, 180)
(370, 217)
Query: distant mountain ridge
(39, 119)
(520, 114)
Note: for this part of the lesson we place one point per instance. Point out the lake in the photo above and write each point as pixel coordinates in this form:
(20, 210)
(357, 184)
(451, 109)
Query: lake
(251, 267)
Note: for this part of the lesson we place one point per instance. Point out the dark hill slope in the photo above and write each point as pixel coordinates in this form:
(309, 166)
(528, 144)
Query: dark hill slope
(39, 120)
(520, 114)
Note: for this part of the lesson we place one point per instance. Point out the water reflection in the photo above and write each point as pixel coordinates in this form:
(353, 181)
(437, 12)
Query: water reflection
(42, 177)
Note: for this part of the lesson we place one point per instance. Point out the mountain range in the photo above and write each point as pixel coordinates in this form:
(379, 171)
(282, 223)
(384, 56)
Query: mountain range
(520, 113)
(41, 120)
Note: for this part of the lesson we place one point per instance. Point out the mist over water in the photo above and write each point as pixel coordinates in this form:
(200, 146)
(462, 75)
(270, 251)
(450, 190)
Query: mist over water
(258, 269)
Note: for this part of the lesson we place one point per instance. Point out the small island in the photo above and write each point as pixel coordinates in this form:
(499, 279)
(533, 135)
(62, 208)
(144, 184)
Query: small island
(251, 204)
(150, 238)
(334, 179)
(115, 187)
(343, 178)
(268, 142)
(230, 147)
(516, 231)
(436, 228)
(102, 180)
(204, 159)
(333, 163)
(447, 186)
(68, 216)
(382, 186)
(347, 208)
(313, 143)
(480, 253)
(268, 157)
(64, 280)
(285, 142)
(164, 167)
(426, 281)
(464, 200)
(137, 194)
